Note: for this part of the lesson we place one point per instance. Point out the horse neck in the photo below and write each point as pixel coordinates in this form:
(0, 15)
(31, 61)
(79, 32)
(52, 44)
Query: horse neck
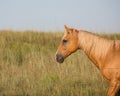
(95, 47)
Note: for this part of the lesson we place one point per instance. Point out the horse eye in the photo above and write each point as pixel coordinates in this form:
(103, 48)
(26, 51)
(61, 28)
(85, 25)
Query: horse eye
(64, 40)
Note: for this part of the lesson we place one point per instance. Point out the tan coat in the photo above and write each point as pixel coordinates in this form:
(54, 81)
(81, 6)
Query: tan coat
(104, 53)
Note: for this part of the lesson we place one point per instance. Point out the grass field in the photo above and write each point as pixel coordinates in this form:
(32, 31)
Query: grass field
(28, 67)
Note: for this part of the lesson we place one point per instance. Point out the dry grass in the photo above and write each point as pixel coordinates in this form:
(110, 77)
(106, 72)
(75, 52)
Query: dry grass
(28, 67)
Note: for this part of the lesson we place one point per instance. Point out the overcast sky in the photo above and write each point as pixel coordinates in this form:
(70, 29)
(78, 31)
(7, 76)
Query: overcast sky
(46, 15)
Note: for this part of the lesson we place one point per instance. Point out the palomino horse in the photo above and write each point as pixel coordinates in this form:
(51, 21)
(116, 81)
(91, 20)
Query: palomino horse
(104, 53)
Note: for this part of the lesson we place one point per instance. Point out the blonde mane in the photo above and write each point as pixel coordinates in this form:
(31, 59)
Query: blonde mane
(95, 46)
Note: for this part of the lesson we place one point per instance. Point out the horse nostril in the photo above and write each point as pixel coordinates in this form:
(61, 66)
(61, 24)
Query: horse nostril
(59, 58)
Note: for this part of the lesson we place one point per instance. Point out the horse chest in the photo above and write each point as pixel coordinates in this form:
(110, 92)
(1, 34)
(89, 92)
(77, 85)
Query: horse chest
(106, 73)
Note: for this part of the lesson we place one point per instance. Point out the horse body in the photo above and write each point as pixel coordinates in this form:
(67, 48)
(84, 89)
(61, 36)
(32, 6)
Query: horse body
(104, 53)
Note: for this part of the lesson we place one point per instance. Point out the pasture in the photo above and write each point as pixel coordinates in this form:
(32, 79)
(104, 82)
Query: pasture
(28, 67)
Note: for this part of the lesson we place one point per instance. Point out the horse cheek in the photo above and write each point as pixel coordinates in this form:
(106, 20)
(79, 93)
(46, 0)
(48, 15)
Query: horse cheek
(73, 48)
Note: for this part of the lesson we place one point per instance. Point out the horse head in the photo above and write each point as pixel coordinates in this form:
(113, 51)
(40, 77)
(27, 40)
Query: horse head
(68, 44)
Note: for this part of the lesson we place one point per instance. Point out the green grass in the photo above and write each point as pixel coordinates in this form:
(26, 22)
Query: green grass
(28, 67)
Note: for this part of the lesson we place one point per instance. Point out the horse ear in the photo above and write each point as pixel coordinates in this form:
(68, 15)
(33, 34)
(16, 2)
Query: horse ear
(66, 27)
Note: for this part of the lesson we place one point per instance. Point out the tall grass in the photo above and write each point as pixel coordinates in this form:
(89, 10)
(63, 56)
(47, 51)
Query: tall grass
(28, 67)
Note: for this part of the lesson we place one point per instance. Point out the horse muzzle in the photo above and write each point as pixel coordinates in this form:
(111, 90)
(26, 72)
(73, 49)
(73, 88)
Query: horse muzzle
(59, 58)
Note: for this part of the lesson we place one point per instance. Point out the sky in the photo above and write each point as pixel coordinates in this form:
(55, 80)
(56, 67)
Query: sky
(52, 15)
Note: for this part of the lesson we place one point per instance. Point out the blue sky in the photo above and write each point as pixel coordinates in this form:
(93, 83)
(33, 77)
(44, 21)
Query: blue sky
(50, 15)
